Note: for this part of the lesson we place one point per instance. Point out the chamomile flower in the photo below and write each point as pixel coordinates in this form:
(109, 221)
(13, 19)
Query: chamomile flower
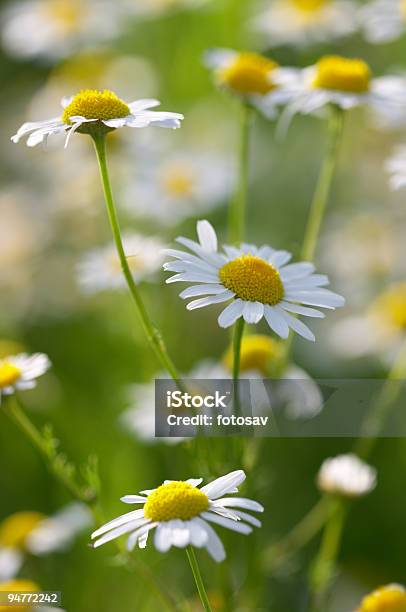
(396, 167)
(302, 22)
(383, 20)
(343, 82)
(346, 475)
(100, 269)
(55, 28)
(181, 514)
(259, 282)
(251, 77)
(93, 112)
(388, 598)
(19, 372)
(33, 533)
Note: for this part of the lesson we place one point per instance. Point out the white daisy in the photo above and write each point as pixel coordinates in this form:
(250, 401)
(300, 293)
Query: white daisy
(100, 269)
(346, 475)
(257, 280)
(343, 82)
(92, 111)
(55, 28)
(252, 77)
(33, 533)
(383, 20)
(396, 167)
(19, 372)
(301, 22)
(181, 514)
(169, 187)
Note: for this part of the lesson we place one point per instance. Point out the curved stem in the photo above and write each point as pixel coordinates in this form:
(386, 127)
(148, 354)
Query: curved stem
(198, 578)
(321, 195)
(238, 205)
(153, 335)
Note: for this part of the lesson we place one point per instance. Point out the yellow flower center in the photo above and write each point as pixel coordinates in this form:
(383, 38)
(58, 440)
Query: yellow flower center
(9, 374)
(309, 6)
(249, 73)
(95, 104)
(178, 181)
(66, 13)
(403, 8)
(342, 74)
(15, 529)
(253, 279)
(390, 598)
(175, 500)
(22, 586)
(390, 307)
(256, 353)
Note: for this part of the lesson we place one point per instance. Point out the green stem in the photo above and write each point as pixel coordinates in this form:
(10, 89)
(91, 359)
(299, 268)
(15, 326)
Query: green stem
(238, 205)
(153, 335)
(237, 340)
(198, 578)
(323, 568)
(321, 195)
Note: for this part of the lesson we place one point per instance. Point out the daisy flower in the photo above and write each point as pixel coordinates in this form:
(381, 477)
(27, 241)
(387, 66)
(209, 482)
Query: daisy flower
(383, 20)
(343, 82)
(396, 167)
(181, 513)
(100, 269)
(301, 22)
(258, 281)
(33, 533)
(97, 112)
(55, 28)
(19, 372)
(388, 598)
(251, 77)
(346, 475)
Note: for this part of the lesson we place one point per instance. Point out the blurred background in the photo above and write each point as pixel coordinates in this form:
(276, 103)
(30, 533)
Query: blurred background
(53, 225)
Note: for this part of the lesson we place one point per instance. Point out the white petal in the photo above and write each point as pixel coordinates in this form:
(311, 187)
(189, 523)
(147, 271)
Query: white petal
(300, 328)
(143, 104)
(121, 520)
(207, 236)
(297, 309)
(195, 482)
(198, 535)
(140, 533)
(201, 290)
(163, 537)
(133, 499)
(213, 299)
(253, 312)
(276, 321)
(296, 270)
(231, 313)
(214, 545)
(115, 533)
(252, 520)
(239, 502)
(320, 297)
(11, 561)
(227, 523)
(280, 258)
(224, 484)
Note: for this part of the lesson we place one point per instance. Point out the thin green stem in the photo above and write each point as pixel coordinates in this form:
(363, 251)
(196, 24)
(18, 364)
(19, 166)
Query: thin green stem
(237, 213)
(324, 565)
(153, 335)
(323, 187)
(198, 578)
(237, 340)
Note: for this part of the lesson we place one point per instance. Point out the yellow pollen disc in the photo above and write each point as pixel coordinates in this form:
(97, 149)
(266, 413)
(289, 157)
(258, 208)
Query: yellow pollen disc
(391, 598)
(175, 500)
(22, 586)
(390, 307)
(342, 74)
(249, 73)
(15, 529)
(94, 104)
(66, 13)
(178, 181)
(310, 6)
(256, 353)
(9, 374)
(253, 279)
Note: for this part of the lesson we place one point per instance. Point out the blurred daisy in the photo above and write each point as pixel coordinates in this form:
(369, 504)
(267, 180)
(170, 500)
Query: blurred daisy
(389, 598)
(396, 167)
(100, 269)
(300, 22)
(181, 514)
(257, 280)
(346, 475)
(33, 533)
(251, 77)
(94, 112)
(56, 28)
(171, 187)
(19, 372)
(344, 82)
(383, 20)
